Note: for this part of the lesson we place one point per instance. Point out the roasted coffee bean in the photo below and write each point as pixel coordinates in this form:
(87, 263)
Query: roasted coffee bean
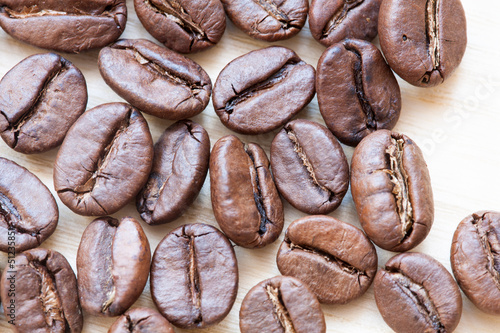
(184, 26)
(141, 320)
(154, 79)
(392, 191)
(245, 201)
(262, 90)
(180, 166)
(104, 160)
(332, 21)
(269, 20)
(367, 95)
(194, 276)
(28, 211)
(40, 98)
(66, 26)
(423, 40)
(310, 167)
(281, 304)
(335, 259)
(42, 286)
(475, 259)
(415, 293)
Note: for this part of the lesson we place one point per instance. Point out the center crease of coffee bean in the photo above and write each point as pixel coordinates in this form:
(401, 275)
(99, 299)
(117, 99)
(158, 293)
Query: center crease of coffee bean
(10, 217)
(35, 11)
(339, 16)
(272, 9)
(491, 248)
(280, 309)
(432, 32)
(194, 279)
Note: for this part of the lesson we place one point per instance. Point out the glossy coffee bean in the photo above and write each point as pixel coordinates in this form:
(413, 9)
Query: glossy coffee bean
(415, 293)
(245, 200)
(104, 160)
(141, 320)
(392, 191)
(154, 79)
(194, 276)
(367, 96)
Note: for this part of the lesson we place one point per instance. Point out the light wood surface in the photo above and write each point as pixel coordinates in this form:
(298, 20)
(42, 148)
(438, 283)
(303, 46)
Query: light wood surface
(455, 124)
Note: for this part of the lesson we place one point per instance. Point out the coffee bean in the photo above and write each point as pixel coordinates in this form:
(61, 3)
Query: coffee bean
(335, 259)
(423, 40)
(262, 90)
(194, 276)
(415, 293)
(42, 286)
(184, 26)
(245, 201)
(154, 79)
(310, 167)
(391, 188)
(141, 320)
(113, 262)
(40, 98)
(104, 160)
(367, 95)
(28, 211)
(332, 21)
(269, 20)
(475, 259)
(66, 26)
(180, 166)
(281, 304)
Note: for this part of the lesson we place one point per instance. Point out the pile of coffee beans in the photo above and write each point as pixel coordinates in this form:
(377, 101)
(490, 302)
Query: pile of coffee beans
(107, 158)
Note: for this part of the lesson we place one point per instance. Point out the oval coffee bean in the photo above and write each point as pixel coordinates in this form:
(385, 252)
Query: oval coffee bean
(332, 21)
(269, 20)
(335, 259)
(28, 211)
(262, 90)
(43, 290)
(392, 191)
(310, 167)
(180, 166)
(184, 26)
(113, 262)
(141, 320)
(475, 259)
(194, 276)
(40, 98)
(245, 200)
(367, 95)
(281, 304)
(415, 293)
(423, 40)
(66, 26)
(154, 79)
(104, 160)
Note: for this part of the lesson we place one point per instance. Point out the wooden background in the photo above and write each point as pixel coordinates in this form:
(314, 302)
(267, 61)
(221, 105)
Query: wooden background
(455, 124)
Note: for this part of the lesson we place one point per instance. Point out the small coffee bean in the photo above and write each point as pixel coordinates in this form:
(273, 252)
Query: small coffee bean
(141, 320)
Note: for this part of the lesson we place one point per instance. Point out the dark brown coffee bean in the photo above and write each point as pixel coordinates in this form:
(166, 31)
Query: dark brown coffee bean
(194, 276)
(66, 26)
(335, 259)
(415, 293)
(245, 201)
(475, 259)
(28, 211)
(367, 95)
(310, 167)
(423, 40)
(262, 90)
(141, 320)
(104, 160)
(269, 20)
(154, 79)
(113, 262)
(391, 188)
(42, 287)
(281, 304)
(184, 26)
(180, 166)
(40, 98)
